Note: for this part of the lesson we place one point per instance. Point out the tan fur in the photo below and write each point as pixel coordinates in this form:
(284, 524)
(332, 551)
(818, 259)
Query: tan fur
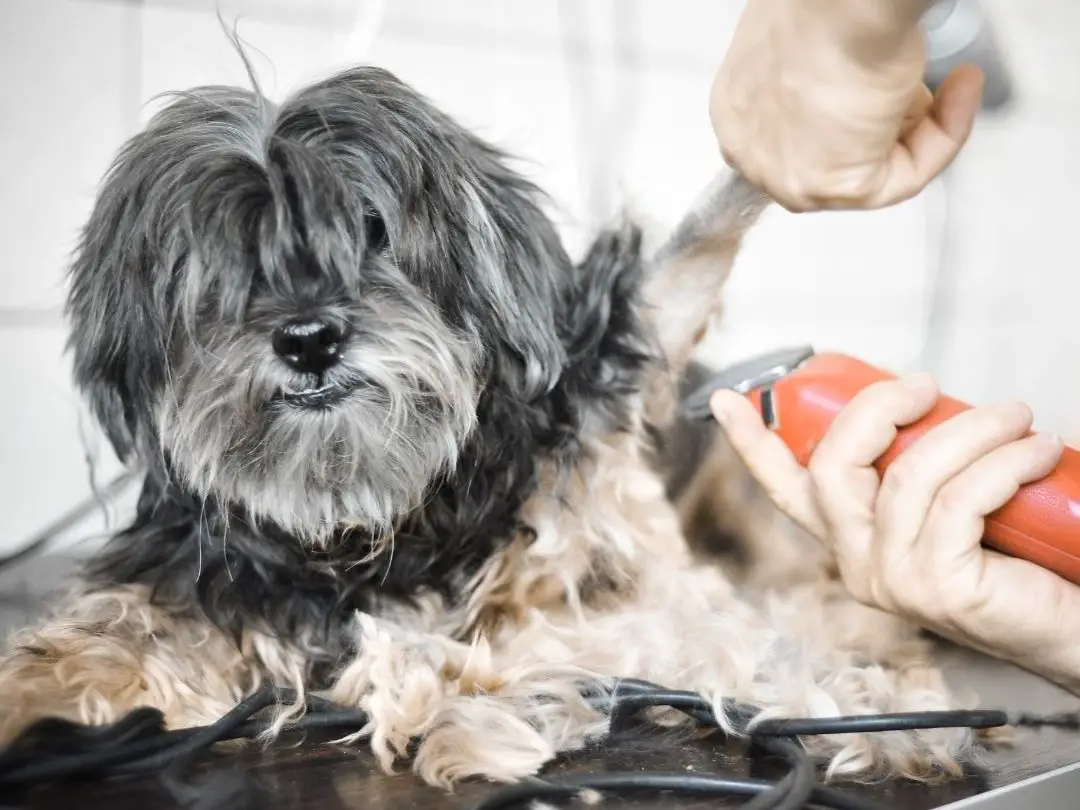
(504, 702)
(106, 652)
(101, 653)
(607, 588)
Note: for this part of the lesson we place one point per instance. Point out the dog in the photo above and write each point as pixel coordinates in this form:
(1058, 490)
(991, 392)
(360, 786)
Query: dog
(397, 447)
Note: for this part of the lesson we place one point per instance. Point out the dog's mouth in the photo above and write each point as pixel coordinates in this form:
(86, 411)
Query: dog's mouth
(318, 397)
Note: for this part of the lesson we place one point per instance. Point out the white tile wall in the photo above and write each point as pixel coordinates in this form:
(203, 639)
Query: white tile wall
(184, 45)
(81, 74)
(840, 281)
(1013, 326)
(48, 446)
(67, 71)
(66, 66)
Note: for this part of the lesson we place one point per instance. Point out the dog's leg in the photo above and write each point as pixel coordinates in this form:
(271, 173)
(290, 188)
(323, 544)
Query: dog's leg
(106, 651)
(717, 498)
(685, 277)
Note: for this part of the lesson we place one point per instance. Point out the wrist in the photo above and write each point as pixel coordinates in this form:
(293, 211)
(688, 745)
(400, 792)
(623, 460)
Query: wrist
(1062, 671)
(1051, 646)
(1061, 651)
(869, 30)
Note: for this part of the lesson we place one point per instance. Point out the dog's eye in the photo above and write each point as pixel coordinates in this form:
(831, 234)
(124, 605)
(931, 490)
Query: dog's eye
(375, 232)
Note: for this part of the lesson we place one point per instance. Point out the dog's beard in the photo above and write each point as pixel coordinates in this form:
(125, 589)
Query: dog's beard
(357, 445)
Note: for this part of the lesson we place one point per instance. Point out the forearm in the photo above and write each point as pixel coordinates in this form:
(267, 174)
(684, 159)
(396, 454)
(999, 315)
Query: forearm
(872, 27)
(1060, 666)
(891, 19)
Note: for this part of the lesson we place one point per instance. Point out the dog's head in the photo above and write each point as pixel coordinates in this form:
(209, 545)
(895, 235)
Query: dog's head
(298, 307)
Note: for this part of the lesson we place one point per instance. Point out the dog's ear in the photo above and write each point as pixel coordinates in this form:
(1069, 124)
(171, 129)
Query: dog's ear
(520, 271)
(117, 329)
(132, 260)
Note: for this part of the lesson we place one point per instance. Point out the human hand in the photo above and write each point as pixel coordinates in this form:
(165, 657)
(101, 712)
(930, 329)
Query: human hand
(824, 107)
(909, 541)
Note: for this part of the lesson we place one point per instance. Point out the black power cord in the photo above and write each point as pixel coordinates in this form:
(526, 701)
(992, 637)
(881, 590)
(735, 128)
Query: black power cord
(138, 744)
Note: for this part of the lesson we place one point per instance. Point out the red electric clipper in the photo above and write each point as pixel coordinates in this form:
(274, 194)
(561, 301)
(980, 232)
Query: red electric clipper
(799, 393)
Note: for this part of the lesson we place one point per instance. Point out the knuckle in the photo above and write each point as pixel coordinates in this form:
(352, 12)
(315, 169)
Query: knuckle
(844, 192)
(899, 195)
(900, 476)
(793, 197)
(898, 390)
(954, 497)
(731, 154)
(878, 396)
(794, 206)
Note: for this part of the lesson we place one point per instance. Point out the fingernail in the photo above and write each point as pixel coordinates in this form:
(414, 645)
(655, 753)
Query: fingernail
(1018, 409)
(719, 409)
(921, 381)
(1051, 441)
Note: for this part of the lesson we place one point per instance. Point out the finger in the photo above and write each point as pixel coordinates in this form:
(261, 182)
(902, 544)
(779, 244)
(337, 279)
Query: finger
(931, 145)
(841, 468)
(921, 103)
(843, 479)
(768, 459)
(954, 528)
(912, 482)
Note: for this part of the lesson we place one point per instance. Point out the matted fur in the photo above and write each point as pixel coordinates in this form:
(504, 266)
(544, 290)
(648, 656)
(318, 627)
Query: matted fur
(479, 527)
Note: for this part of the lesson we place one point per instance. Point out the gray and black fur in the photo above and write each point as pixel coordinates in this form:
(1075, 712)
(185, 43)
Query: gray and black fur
(471, 349)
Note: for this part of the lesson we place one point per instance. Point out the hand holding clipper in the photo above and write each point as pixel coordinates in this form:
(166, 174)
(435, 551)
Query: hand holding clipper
(799, 393)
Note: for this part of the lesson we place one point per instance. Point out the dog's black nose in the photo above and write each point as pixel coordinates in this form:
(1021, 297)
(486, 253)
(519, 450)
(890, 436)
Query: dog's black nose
(310, 346)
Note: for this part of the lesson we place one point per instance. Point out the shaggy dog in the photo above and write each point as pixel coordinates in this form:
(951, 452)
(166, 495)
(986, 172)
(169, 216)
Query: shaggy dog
(398, 447)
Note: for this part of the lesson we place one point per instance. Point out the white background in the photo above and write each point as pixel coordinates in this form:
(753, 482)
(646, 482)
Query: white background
(555, 83)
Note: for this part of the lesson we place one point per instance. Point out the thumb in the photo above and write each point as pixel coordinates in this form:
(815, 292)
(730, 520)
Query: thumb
(769, 460)
(927, 148)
